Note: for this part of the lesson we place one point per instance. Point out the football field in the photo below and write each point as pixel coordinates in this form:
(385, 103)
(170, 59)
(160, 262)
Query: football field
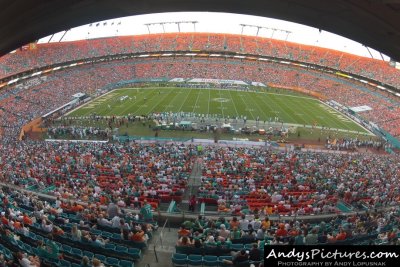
(289, 108)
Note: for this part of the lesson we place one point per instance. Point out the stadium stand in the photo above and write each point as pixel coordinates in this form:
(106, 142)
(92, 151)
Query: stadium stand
(75, 229)
(24, 103)
(262, 182)
(53, 53)
(115, 177)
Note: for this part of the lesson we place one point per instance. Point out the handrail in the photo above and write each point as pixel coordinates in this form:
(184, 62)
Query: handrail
(159, 239)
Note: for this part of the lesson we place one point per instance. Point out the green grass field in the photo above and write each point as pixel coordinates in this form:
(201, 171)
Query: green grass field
(290, 108)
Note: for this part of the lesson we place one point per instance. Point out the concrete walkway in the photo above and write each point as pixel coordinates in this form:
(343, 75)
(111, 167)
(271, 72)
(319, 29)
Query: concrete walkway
(164, 241)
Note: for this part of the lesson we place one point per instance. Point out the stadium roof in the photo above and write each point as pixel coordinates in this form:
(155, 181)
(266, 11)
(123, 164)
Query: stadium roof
(209, 22)
(374, 23)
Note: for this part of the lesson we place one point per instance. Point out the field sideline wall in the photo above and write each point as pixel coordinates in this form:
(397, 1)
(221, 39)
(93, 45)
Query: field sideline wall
(301, 90)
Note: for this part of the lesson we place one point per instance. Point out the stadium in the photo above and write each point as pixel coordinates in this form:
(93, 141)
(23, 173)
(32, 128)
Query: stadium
(193, 148)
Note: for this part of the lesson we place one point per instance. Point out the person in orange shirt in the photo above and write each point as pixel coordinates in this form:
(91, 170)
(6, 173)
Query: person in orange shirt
(76, 207)
(57, 231)
(266, 224)
(183, 231)
(17, 225)
(138, 236)
(4, 220)
(268, 210)
(64, 206)
(26, 219)
(341, 236)
(234, 222)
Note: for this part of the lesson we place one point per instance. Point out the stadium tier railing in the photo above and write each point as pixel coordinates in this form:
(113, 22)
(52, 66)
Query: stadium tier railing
(159, 242)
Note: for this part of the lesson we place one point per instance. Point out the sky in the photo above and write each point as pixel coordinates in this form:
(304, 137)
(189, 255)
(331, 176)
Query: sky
(215, 23)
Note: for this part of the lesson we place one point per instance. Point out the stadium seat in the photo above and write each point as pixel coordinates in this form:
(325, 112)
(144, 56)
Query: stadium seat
(96, 232)
(135, 253)
(53, 261)
(237, 246)
(179, 259)
(32, 235)
(248, 246)
(109, 246)
(67, 249)
(64, 263)
(195, 260)
(139, 245)
(27, 248)
(35, 251)
(221, 260)
(116, 236)
(112, 261)
(39, 238)
(125, 263)
(106, 234)
(76, 252)
(88, 254)
(121, 249)
(8, 254)
(100, 257)
(210, 260)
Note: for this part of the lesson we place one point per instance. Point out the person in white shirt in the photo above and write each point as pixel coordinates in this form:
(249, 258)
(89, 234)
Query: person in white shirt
(25, 261)
(256, 223)
(223, 232)
(58, 203)
(244, 223)
(121, 203)
(115, 222)
(47, 226)
(103, 221)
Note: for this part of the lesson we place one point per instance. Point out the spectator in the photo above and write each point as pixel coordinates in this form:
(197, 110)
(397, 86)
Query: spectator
(255, 253)
(146, 212)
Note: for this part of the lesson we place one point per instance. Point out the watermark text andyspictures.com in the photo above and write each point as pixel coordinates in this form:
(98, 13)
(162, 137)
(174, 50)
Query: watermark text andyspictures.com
(320, 253)
(331, 264)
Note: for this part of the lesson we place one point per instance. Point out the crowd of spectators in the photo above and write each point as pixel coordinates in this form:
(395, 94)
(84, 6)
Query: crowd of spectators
(223, 235)
(238, 180)
(25, 217)
(48, 54)
(99, 171)
(242, 180)
(22, 103)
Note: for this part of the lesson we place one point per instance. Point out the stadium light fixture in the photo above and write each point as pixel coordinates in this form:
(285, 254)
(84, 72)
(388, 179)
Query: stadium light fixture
(369, 51)
(267, 28)
(178, 23)
(381, 56)
(65, 32)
